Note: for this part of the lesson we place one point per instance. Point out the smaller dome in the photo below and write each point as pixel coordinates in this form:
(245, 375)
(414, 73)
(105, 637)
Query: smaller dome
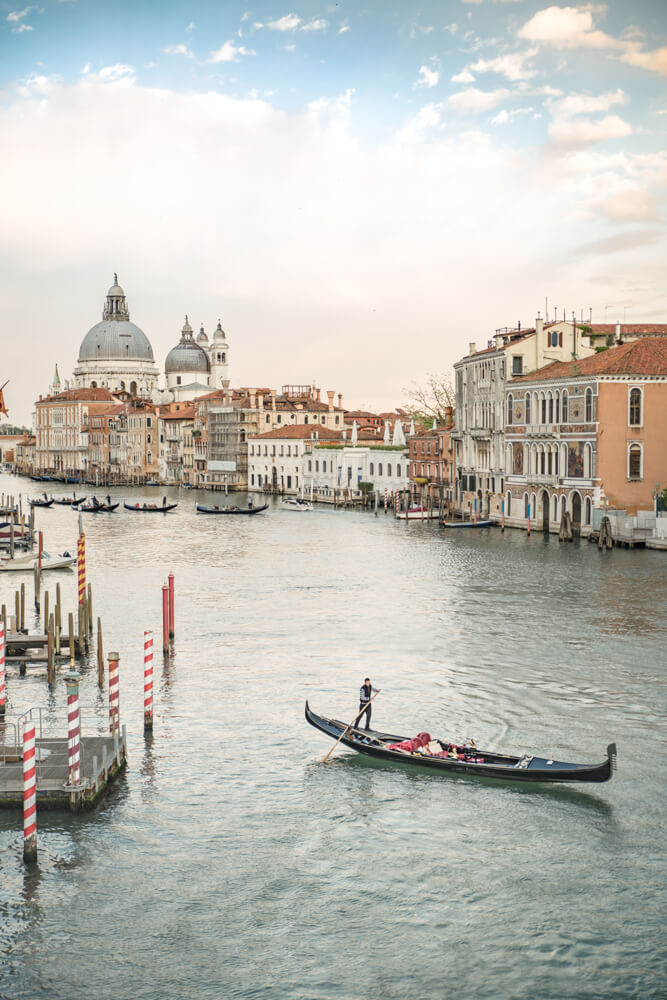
(202, 338)
(187, 356)
(219, 332)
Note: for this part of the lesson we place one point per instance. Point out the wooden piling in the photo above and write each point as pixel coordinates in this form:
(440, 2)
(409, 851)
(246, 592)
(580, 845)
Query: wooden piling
(11, 539)
(17, 602)
(100, 655)
(36, 580)
(59, 622)
(171, 606)
(71, 637)
(89, 609)
(23, 628)
(50, 657)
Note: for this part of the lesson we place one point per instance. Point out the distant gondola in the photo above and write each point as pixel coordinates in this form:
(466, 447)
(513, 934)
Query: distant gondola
(150, 508)
(100, 508)
(69, 501)
(40, 503)
(202, 509)
(461, 759)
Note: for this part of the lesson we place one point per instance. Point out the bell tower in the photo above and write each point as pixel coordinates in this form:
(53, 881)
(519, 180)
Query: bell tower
(219, 355)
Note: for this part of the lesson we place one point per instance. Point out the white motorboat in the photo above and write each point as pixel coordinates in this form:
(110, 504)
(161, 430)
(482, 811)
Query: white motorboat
(26, 564)
(296, 503)
(418, 514)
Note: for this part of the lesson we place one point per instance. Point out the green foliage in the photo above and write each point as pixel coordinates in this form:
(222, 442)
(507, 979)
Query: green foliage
(365, 487)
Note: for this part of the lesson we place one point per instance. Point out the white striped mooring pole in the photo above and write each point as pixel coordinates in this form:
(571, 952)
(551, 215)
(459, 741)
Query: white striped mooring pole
(148, 682)
(73, 728)
(385, 499)
(29, 794)
(3, 692)
(114, 719)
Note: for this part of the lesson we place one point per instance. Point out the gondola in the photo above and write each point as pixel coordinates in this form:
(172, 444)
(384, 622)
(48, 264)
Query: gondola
(40, 503)
(150, 508)
(100, 508)
(203, 509)
(69, 501)
(462, 759)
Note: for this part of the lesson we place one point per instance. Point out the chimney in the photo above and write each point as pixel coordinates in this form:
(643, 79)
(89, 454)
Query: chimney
(330, 397)
(340, 400)
(619, 338)
(260, 401)
(319, 395)
(539, 328)
(472, 347)
(449, 417)
(253, 399)
(273, 399)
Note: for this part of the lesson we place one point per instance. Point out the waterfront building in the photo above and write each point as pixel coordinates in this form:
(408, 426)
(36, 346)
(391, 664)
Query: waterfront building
(61, 429)
(432, 468)
(330, 467)
(480, 381)
(176, 461)
(276, 458)
(25, 455)
(587, 435)
(610, 334)
(116, 354)
(123, 444)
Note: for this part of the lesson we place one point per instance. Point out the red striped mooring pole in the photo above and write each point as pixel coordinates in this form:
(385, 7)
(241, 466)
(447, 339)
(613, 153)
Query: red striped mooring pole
(148, 682)
(29, 794)
(385, 499)
(165, 619)
(73, 728)
(172, 628)
(3, 692)
(81, 564)
(114, 718)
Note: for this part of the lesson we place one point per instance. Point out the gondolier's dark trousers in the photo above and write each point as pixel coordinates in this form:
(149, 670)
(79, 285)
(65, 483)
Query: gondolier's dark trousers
(368, 712)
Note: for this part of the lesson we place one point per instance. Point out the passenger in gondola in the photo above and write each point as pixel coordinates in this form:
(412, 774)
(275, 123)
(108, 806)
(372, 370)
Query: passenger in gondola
(250, 503)
(95, 502)
(164, 501)
(366, 691)
(108, 500)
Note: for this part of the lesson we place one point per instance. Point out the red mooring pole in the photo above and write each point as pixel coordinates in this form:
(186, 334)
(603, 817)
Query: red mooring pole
(171, 606)
(114, 701)
(3, 693)
(165, 619)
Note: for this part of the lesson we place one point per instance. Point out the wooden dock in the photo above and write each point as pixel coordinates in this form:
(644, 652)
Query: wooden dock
(102, 759)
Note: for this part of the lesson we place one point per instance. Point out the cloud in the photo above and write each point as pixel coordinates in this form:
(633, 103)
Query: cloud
(472, 100)
(512, 65)
(343, 29)
(18, 15)
(578, 104)
(118, 75)
(21, 28)
(317, 24)
(575, 27)
(629, 205)
(504, 116)
(228, 52)
(427, 78)
(465, 76)
(618, 243)
(586, 132)
(290, 22)
(421, 125)
(179, 50)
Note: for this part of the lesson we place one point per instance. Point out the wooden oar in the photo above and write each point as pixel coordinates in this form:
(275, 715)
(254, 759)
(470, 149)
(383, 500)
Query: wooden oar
(347, 728)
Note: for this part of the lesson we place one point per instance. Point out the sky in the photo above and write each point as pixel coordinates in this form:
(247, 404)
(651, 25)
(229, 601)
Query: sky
(357, 190)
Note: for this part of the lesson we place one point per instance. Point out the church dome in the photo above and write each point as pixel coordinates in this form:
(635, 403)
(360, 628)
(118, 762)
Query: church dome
(187, 356)
(115, 338)
(202, 338)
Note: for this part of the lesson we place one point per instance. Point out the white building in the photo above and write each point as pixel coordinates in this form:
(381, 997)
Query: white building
(328, 468)
(276, 459)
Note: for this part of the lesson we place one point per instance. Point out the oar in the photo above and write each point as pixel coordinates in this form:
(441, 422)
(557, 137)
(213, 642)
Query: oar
(347, 728)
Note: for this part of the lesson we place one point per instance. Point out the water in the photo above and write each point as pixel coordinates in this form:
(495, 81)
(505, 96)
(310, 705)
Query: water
(231, 862)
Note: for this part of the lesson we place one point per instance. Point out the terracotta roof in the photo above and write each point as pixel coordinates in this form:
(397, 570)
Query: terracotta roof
(186, 413)
(648, 329)
(109, 411)
(300, 432)
(646, 356)
(98, 395)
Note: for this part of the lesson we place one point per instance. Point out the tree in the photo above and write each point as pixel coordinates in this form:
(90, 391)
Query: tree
(430, 399)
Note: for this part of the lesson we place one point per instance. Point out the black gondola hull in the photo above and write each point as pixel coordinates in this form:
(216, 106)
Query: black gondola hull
(203, 509)
(150, 510)
(494, 765)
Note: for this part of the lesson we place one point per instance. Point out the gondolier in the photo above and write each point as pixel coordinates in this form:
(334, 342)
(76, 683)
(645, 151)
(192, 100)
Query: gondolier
(366, 692)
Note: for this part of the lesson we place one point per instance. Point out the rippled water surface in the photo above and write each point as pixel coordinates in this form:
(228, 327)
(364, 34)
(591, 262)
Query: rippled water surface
(232, 862)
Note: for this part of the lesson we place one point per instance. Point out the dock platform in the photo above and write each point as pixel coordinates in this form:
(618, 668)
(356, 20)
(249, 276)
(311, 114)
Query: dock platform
(102, 759)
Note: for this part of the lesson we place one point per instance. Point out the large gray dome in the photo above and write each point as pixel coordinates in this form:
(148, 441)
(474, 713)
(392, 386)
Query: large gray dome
(115, 340)
(187, 356)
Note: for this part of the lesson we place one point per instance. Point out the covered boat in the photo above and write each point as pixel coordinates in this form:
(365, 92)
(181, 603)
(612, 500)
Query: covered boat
(422, 751)
(150, 508)
(203, 509)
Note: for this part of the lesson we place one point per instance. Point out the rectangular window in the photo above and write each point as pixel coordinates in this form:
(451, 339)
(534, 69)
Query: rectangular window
(517, 365)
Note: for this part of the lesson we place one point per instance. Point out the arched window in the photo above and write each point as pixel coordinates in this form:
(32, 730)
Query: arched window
(543, 404)
(150, 458)
(527, 407)
(508, 504)
(589, 405)
(93, 385)
(587, 511)
(563, 505)
(372, 469)
(551, 407)
(555, 506)
(526, 505)
(564, 408)
(635, 411)
(242, 437)
(389, 469)
(557, 408)
(635, 471)
(379, 468)
(510, 402)
(588, 461)
(133, 388)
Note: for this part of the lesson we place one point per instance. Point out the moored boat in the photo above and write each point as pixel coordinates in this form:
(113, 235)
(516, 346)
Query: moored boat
(99, 508)
(150, 508)
(69, 501)
(466, 524)
(24, 564)
(204, 509)
(454, 759)
(40, 502)
(418, 514)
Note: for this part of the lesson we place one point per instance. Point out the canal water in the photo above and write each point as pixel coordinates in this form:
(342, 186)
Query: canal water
(231, 861)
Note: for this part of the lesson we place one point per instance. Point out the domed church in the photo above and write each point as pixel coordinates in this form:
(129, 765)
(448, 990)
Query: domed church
(195, 367)
(115, 353)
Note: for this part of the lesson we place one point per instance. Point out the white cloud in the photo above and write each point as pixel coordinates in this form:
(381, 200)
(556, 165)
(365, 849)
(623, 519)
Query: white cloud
(18, 15)
(317, 24)
(228, 52)
(343, 29)
(504, 116)
(465, 76)
(579, 104)
(179, 50)
(629, 205)
(192, 26)
(21, 28)
(655, 61)
(512, 65)
(421, 125)
(427, 78)
(290, 22)
(586, 132)
(473, 100)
